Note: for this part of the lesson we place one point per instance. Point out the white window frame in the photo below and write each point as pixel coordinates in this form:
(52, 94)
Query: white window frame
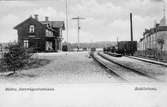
(48, 33)
(31, 28)
(26, 43)
(60, 32)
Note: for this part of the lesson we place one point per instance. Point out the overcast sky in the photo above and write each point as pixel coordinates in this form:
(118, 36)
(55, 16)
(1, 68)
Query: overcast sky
(105, 19)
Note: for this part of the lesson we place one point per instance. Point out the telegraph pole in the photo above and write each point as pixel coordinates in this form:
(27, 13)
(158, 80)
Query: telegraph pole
(164, 9)
(67, 19)
(78, 22)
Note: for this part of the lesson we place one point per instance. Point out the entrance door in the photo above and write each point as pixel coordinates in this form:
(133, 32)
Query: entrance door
(49, 46)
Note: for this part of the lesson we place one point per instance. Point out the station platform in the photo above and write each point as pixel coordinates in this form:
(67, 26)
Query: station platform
(149, 60)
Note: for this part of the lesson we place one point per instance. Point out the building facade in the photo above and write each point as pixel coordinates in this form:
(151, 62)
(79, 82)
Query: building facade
(151, 36)
(41, 36)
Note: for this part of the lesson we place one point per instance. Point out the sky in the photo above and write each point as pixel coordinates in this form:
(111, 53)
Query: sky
(105, 20)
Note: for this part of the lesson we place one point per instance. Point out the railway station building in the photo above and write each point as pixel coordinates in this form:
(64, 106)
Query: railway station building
(151, 36)
(41, 36)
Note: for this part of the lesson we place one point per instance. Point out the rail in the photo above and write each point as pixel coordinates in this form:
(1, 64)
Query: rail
(116, 73)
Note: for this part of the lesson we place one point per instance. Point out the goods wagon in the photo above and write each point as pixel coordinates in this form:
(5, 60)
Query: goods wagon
(123, 48)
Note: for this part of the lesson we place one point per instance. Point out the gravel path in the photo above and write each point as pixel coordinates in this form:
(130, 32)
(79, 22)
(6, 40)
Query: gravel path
(63, 68)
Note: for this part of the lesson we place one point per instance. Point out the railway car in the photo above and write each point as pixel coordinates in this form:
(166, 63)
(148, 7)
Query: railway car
(127, 47)
(123, 48)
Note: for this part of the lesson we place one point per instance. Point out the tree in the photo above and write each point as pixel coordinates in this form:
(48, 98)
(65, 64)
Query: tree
(161, 42)
(16, 57)
(0, 47)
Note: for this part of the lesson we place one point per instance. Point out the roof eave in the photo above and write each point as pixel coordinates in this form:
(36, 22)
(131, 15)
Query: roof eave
(16, 27)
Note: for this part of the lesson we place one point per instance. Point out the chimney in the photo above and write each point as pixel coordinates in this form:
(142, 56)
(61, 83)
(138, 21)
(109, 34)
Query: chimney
(131, 26)
(46, 19)
(36, 17)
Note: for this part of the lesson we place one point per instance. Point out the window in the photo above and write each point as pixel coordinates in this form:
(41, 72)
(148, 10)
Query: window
(48, 25)
(26, 43)
(60, 30)
(31, 36)
(49, 46)
(31, 29)
(49, 33)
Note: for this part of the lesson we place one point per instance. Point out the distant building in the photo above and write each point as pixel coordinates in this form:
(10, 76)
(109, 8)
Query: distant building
(150, 36)
(0, 47)
(42, 36)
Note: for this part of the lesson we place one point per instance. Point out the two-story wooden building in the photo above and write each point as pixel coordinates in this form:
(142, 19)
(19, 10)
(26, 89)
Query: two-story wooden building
(42, 36)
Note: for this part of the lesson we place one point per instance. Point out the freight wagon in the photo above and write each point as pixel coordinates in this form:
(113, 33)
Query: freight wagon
(123, 48)
(127, 47)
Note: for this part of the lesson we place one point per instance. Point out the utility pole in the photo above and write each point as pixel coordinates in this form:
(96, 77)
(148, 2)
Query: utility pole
(164, 9)
(78, 22)
(67, 19)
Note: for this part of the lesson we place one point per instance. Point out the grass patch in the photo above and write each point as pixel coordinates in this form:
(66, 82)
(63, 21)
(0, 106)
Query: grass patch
(3, 67)
(36, 63)
(33, 64)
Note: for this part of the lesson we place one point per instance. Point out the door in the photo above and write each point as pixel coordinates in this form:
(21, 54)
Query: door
(49, 46)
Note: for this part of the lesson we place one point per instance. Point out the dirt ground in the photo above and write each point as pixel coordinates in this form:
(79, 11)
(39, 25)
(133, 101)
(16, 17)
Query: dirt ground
(62, 68)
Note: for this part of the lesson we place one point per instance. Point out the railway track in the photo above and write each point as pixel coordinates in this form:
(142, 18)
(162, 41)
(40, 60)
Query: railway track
(107, 67)
(120, 71)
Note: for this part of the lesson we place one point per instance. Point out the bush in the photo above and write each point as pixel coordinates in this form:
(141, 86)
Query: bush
(65, 48)
(16, 57)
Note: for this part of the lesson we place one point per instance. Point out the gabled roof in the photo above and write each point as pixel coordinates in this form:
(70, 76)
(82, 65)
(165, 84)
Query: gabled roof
(55, 24)
(30, 18)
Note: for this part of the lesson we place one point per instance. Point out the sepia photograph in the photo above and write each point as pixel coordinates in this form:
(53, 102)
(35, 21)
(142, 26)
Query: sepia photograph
(83, 53)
